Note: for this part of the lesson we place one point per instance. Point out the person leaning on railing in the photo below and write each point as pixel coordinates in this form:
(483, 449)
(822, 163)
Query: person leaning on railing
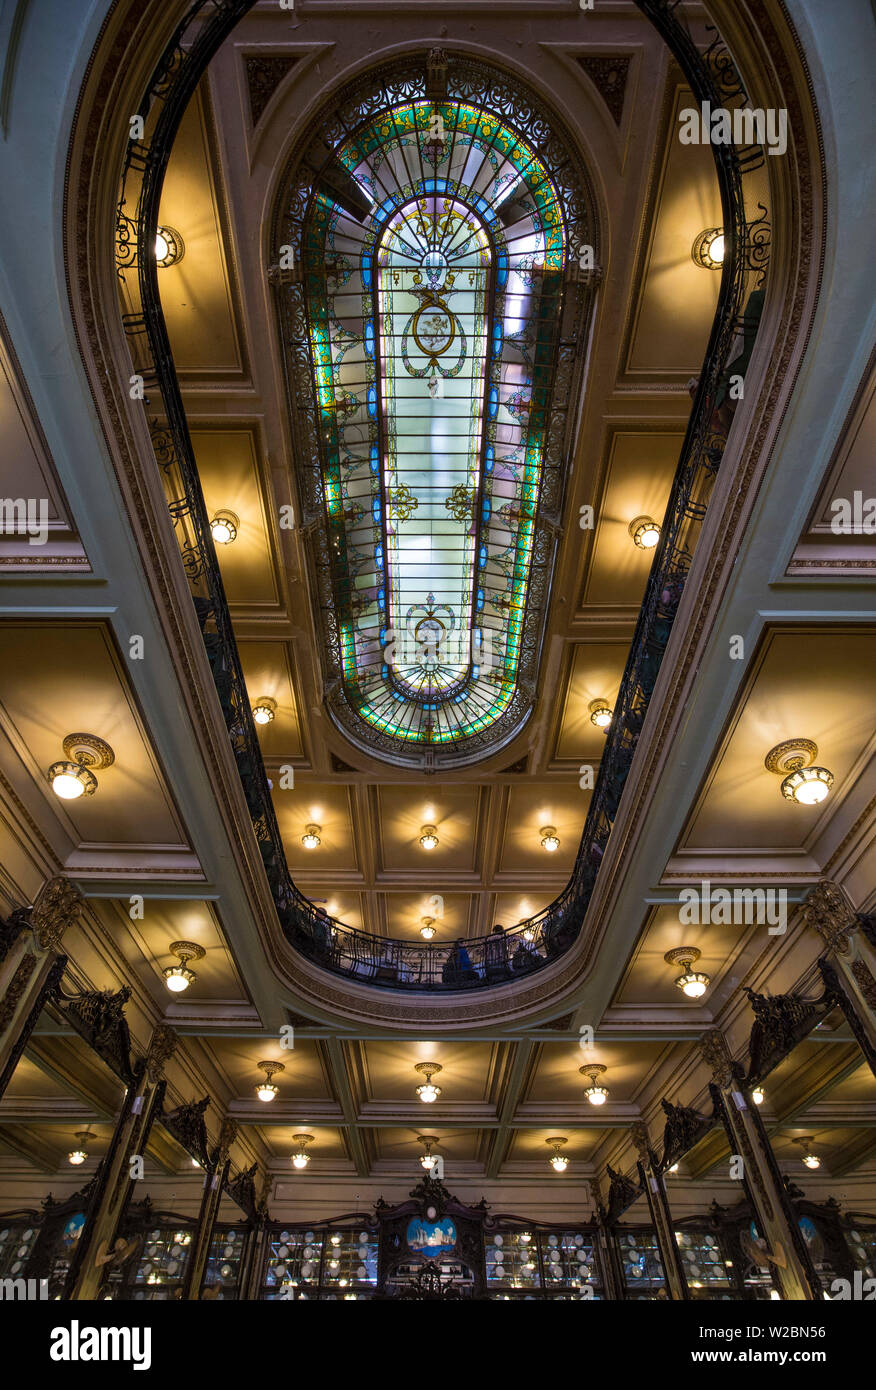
(458, 969)
(496, 966)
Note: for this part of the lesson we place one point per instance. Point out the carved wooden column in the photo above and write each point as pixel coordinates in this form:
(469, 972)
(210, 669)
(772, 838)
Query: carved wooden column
(789, 1259)
(254, 1260)
(31, 965)
(143, 1099)
(850, 955)
(652, 1180)
(610, 1264)
(215, 1179)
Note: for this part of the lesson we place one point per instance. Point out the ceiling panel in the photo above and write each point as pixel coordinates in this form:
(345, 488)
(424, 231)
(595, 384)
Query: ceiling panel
(808, 684)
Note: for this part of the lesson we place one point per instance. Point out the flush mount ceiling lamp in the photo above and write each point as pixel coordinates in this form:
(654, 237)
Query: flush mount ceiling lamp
(79, 1155)
(794, 761)
(809, 1157)
(596, 1094)
(428, 1092)
(645, 532)
(692, 983)
(311, 839)
(550, 840)
(74, 777)
(758, 1094)
(169, 247)
(224, 527)
(264, 710)
(427, 928)
(559, 1162)
(427, 1159)
(428, 837)
(709, 249)
(179, 977)
(600, 713)
(266, 1090)
(301, 1157)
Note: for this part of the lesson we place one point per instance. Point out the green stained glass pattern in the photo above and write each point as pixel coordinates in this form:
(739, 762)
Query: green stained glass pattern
(433, 325)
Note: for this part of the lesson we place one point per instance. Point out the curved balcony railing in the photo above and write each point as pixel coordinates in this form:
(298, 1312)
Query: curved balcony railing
(531, 945)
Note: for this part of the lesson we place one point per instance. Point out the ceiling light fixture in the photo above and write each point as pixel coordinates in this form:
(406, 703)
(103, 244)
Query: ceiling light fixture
(169, 247)
(428, 837)
(427, 929)
(809, 1157)
(692, 983)
(559, 1162)
(600, 713)
(550, 840)
(596, 1094)
(264, 711)
(311, 837)
(301, 1158)
(794, 761)
(224, 527)
(74, 777)
(266, 1090)
(709, 249)
(645, 532)
(428, 1093)
(427, 1159)
(757, 1095)
(179, 977)
(79, 1155)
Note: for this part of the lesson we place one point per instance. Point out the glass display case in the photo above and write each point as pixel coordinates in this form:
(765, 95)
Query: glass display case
(542, 1262)
(640, 1263)
(18, 1236)
(320, 1263)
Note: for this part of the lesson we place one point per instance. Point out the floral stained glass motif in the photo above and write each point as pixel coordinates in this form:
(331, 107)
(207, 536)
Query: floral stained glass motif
(433, 323)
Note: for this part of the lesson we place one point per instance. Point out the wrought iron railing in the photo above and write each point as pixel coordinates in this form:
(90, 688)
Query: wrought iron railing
(533, 944)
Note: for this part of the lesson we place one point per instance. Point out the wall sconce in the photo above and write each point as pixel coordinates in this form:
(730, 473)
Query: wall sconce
(301, 1158)
(79, 1155)
(596, 1094)
(311, 837)
(74, 777)
(550, 840)
(224, 527)
(266, 1090)
(758, 1094)
(709, 249)
(692, 983)
(427, 1159)
(169, 247)
(600, 713)
(794, 761)
(264, 710)
(428, 837)
(559, 1162)
(427, 929)
(673, 1168)
(645, 532)
(179, 977)
(428, 1092)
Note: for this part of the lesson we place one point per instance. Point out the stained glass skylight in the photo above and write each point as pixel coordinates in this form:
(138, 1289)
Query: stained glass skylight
(434, 251)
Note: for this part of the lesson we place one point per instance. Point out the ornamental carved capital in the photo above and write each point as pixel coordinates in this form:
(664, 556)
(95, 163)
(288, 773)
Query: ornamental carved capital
(227, 1135)
(161, 1049)
(639, 1136)
(55, 908)
(716, 1054)
(827, 908)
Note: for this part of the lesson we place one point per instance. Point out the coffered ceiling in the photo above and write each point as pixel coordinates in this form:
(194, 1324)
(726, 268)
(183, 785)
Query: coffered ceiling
(806, 672)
